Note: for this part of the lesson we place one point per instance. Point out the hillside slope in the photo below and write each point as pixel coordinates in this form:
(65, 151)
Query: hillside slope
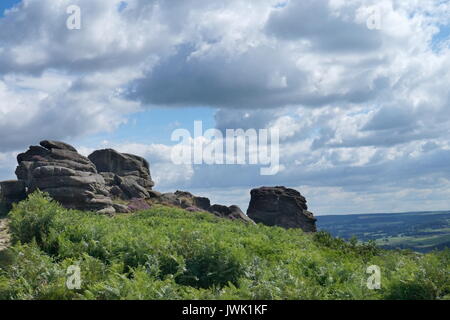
(167, 253)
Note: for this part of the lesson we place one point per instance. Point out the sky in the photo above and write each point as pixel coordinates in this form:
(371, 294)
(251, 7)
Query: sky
(363, 112)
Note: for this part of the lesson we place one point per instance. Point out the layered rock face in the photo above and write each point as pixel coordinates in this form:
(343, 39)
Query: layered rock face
(280, 206)
(68, 177)
(127, 176)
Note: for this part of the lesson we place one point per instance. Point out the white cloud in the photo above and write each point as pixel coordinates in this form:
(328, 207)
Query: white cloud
(359, 110)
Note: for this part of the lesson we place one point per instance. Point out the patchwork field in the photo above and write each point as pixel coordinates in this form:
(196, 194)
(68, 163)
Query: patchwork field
(418, 231)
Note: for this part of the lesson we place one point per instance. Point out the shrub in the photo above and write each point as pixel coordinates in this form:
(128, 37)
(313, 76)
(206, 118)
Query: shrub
(31, 219)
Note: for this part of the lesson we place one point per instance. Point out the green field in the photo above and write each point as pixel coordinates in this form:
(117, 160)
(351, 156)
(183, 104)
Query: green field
(418, 231)
(168, 253)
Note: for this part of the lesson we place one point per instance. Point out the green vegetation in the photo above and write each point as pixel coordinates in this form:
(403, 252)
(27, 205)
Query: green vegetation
(418, 231)
(166, 253)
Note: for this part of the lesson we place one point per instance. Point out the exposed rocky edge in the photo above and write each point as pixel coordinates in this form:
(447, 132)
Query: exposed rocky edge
(68, 177)
(138, 205)
(126, 176)
(184, 200)
(280, 206)
(192, 203)
(98, 182)
(12, 192)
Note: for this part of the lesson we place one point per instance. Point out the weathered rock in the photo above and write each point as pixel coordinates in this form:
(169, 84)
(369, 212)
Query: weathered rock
(107, 211)
(232, 213)
(116, 192)
(68, 177)
(99, 202)
(138, 205)
(280, 206)
(202, 203)
(127, 176)
(194, 209)
(12, 192)
(170, 199)
(109, 160)
(109, 177)
(219, 210)
(154, 194)
(37, 157)
(187, 199)
(93, 182)
(48, 144)
(183, 200)
(34, 153)
(121, 208)
(131, 188)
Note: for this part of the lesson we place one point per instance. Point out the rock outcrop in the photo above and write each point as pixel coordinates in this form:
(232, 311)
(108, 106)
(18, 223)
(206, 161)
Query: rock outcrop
(68, 177)
(280, 206)
(127, 176)
(98, 182)
(192, 203)
(232, 213)
(12, 192)
(78, 182)
(184, 200)
(111, 182)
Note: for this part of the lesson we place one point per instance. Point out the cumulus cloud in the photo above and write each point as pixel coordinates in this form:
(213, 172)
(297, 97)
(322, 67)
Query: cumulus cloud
(53, 106)
(360, 110)
(325, 26)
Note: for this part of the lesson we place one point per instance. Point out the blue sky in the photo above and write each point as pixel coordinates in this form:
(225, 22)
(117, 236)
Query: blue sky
(7, 4)
(154, 126)
(442, 36)
(363, 114)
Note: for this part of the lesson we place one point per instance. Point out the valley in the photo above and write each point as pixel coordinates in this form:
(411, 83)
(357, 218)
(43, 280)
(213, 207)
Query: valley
(418, 231)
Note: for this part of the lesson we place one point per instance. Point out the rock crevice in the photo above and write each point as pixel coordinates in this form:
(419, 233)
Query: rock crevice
(126, 176)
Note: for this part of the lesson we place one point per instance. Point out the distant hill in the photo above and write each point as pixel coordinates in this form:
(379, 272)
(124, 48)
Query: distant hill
(418, 231)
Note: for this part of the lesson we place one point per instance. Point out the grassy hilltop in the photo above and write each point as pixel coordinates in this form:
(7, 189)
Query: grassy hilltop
(167, 253)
